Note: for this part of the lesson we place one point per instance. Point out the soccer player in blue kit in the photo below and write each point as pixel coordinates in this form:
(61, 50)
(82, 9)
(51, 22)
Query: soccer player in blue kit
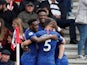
(42, 15)
(47, 49)
(60, 57)
(29, 57)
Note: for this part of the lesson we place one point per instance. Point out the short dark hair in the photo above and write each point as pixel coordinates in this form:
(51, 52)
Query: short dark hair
(31, 21)
(47, 21)
(41, 10)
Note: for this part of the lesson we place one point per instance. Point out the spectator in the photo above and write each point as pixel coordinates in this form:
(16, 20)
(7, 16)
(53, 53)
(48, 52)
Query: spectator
(53, 5)
(5, 58)
(8, 16)
(67, 6)
(4, 32)
(0, 6)
(8, 47)
(17, 22)
(14, 6)
(35, 2)
(0, 53)
(19, 4)
(27, 14)
(60, 18)
(18, 1)
(41, 0)
(81, 21)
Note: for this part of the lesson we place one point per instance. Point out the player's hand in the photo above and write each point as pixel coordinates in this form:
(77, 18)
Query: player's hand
(22, 45)
(25, 43)
(61, 32)
(54, 37)
(26, 49)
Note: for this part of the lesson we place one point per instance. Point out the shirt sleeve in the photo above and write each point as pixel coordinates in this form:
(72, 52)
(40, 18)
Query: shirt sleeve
(60, 38)
(29, 35)
(38, 34)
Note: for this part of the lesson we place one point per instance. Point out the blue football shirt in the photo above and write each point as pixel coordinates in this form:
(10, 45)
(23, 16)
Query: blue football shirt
(40, 27)
(47, 48)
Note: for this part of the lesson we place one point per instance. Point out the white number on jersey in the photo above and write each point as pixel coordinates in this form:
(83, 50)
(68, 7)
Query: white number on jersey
(48, 45)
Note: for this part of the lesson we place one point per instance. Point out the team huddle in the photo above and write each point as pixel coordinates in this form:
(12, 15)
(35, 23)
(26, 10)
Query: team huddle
(45, 46)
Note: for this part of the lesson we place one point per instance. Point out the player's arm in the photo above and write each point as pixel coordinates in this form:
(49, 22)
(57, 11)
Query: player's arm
(37, 39)
(57, 28)
(42, 39)
(61, 48)
(60, 39)
(61, 51)
(63, 41)
(25, 43)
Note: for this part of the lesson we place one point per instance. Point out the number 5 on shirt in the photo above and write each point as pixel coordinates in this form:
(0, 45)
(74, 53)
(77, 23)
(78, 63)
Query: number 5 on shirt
(47, 45)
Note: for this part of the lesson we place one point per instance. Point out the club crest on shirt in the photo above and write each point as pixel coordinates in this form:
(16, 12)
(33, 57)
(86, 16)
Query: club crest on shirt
(30, 33)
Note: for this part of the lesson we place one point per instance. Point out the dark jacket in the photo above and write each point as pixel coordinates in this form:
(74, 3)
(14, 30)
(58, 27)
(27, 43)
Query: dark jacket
(8, 16)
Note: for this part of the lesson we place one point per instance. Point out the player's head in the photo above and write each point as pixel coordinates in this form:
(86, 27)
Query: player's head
(33, 24)
(42, 15)
(49, 24)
